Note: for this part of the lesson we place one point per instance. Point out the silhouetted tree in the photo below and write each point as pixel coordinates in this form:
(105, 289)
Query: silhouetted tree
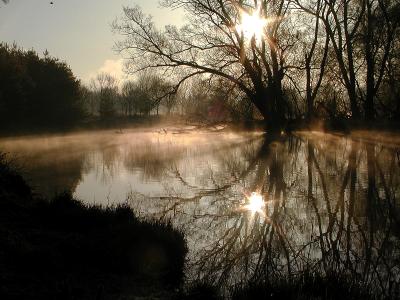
(151, 90)
(312, 58)
(302, 48)
(35, 91)
(128, 102)
(213, 44)
(378, 34)
(361, 35)
(106, 87)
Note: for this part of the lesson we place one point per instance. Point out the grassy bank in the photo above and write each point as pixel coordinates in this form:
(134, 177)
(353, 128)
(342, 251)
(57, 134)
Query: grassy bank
(305, 286)
(62, 249)
(308, 285)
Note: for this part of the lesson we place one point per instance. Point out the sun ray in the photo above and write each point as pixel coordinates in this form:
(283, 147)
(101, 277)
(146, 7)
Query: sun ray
(252, 25)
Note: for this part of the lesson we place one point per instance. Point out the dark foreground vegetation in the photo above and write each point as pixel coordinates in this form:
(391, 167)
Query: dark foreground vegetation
(61, 249)
(305, 286)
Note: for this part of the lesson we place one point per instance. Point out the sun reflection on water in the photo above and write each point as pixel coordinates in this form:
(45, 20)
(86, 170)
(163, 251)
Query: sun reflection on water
(255, 203)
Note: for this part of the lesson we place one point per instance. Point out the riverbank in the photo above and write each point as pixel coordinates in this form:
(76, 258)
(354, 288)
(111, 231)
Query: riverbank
(120, 123)
(62, 249)
(89, 124)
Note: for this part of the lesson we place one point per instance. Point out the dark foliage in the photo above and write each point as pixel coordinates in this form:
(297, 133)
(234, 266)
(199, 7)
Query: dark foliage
(11, 182)
(306, 286)
(36, 92)
(200, 290)
(64, 249)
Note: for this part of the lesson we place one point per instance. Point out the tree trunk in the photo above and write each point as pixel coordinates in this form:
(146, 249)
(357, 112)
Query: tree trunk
(309, 99)
(269, 102)
(355, 111)
(369, 57)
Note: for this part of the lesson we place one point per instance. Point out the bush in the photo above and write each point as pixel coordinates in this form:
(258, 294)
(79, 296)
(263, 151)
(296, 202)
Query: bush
(62, 248)
(305, 286)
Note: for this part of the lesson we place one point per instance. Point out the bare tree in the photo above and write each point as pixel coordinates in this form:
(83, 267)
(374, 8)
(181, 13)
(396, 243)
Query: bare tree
(342, 21)
(214, 44)
(128, 98)
(378, 34)
(151, 90)
(315, 65)
(361, 34)
(107, 88)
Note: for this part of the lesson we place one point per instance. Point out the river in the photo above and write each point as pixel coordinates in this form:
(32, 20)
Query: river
(250, 206)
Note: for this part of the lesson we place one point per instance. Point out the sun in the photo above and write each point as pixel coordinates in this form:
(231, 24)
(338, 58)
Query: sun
(252, 25)
(256, 203)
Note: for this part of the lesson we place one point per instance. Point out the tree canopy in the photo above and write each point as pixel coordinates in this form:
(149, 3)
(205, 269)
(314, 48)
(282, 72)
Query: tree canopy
(212, 43)
(36, 91)
(275, 52)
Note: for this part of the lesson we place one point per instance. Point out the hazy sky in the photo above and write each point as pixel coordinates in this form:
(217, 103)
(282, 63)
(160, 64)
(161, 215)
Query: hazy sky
(77, 31)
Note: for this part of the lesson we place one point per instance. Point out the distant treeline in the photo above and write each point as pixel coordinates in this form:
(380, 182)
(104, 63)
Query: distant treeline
(108, 98)
(153, 94)
(36, 91)
(41, 92)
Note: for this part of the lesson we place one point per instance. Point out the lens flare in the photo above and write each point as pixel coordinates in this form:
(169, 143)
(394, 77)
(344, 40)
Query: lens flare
(252, 25)
(256, 203)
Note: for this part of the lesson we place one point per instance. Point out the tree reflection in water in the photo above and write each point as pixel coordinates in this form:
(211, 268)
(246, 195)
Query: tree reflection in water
(331, 207)
(329, 204)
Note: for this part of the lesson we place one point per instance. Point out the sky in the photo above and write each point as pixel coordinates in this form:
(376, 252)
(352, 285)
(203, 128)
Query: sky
(76, 31)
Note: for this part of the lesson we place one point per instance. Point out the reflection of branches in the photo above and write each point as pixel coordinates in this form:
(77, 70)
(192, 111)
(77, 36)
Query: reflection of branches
(334, 231)
(370, 261)
(203, 192)
(178, 175)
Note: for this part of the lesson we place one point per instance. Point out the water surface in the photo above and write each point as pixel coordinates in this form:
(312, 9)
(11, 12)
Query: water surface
(251, 206)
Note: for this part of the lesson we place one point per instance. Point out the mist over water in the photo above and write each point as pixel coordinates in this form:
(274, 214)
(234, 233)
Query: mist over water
(105, 167)
(324, 203)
